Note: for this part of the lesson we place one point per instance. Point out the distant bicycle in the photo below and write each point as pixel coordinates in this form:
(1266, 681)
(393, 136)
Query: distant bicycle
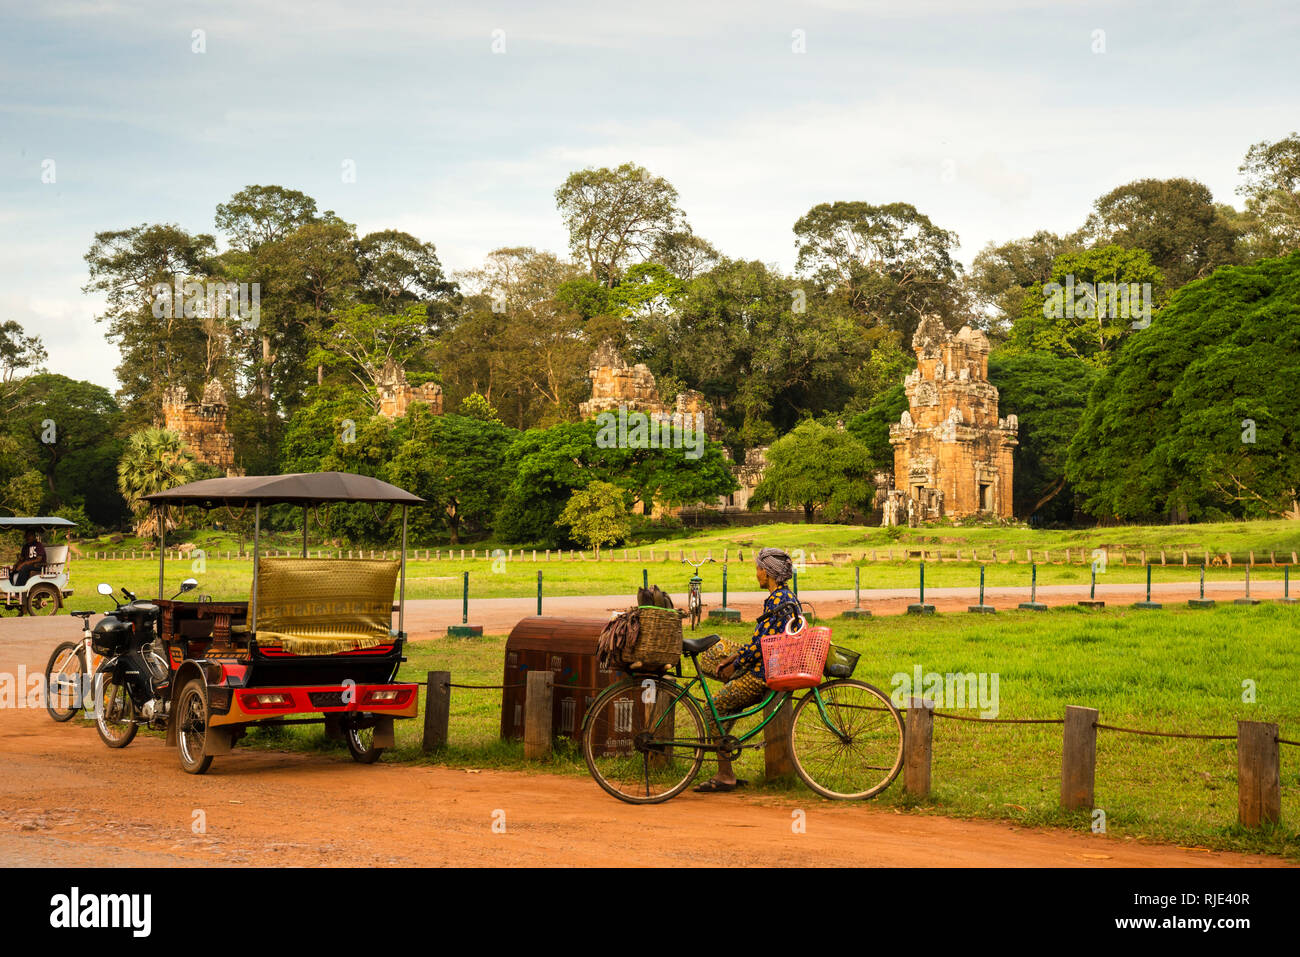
(69, 675)
(695, 598)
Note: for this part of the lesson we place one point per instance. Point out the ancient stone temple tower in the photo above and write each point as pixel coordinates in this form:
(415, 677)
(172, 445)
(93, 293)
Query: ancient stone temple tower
(615, 384)
(396, 394)
(201, 425)
(952, 453)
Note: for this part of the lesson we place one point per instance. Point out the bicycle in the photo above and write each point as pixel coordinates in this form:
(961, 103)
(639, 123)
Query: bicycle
(69, 675)
(644, 737)
(694, 597)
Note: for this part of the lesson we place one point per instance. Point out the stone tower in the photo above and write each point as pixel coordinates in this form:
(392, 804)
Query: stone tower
(952, 453)
(396, 395)
(201, 425)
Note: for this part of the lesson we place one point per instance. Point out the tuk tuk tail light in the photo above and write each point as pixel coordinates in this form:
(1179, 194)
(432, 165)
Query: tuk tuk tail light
(393, 696)
(273, 700)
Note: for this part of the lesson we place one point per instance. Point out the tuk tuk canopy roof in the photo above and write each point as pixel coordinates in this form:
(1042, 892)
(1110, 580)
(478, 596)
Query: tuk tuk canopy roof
(304, 488)
(47, 521)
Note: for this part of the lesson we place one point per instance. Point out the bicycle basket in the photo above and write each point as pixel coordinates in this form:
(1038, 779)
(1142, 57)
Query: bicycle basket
(795, 660)
(659, 642)
(840, 662)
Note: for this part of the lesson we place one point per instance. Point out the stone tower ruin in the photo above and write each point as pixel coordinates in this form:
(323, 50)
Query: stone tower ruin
(952, 453)
(201, 425)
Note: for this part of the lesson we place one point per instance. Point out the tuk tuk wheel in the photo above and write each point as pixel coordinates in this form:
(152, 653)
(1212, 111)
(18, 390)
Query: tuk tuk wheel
(192, 726)
(361, 743)
(42, 600)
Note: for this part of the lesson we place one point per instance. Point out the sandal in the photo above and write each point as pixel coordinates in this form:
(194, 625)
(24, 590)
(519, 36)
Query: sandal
(717, 787)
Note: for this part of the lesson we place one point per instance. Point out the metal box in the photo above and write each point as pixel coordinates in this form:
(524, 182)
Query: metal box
(567, 648)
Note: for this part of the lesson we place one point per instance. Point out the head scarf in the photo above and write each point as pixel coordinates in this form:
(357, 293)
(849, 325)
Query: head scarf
(776, 563)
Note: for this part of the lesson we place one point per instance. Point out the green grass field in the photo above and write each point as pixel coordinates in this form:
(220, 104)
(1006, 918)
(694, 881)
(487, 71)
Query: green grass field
(827, 554)
(1180, 671)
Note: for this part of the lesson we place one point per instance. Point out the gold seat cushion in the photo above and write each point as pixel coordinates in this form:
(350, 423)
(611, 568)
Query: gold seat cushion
(322, 606)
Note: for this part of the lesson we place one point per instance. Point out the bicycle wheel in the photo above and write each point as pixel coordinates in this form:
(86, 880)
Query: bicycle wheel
(859, 753)
(641, 740)
(67, 686)
(696, 606)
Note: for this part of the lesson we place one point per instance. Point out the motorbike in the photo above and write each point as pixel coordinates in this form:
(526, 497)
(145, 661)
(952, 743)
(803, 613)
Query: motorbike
(132, 686)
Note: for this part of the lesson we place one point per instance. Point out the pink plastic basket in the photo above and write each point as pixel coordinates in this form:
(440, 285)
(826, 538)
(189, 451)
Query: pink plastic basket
(796, 660)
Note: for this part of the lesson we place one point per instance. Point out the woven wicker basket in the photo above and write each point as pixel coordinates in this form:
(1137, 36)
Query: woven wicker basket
(659, 644)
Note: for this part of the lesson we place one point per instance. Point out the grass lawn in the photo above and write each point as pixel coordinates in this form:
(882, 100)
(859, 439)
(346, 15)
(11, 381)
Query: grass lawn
(1179, 670)
(230, 579)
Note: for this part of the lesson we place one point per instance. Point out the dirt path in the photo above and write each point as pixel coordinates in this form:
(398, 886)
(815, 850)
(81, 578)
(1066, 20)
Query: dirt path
(67, 800)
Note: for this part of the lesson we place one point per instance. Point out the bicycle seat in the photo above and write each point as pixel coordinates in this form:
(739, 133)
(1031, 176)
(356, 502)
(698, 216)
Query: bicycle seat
(81, 614)
(694, 646)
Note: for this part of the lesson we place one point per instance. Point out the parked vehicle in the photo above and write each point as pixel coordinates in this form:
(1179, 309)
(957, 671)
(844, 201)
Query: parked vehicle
(44, 591)
(133, 680)
(315, 643)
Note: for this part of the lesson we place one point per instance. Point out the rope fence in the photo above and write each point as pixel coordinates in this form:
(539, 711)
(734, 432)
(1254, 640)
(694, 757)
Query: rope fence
(1258, 743)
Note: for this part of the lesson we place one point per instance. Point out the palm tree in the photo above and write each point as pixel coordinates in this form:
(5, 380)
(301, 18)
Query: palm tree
(154, 460)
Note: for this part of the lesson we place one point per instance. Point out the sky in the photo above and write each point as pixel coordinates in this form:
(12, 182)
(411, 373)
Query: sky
(460, 119)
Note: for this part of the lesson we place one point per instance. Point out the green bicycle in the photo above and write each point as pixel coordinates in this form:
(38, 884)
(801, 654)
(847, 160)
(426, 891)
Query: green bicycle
(644, 738)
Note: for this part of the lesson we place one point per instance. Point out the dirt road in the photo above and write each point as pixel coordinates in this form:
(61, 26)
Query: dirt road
(67, 800)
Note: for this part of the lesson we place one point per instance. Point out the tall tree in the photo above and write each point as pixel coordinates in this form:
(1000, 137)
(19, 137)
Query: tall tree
(19, 354)
(1002, 274)
(616, 217)
(161, 345)
(1175, 220)
(1094, 300)
(1272, 192)
(154, 460)
(397, 270)
(815, 466)
(890, 263)
(258, 215)
(1197, 416)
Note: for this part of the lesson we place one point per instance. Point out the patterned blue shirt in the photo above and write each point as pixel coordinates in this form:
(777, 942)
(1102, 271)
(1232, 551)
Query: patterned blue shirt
(771, 622)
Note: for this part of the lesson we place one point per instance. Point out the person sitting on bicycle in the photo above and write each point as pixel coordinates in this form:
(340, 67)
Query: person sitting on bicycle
(741, 667)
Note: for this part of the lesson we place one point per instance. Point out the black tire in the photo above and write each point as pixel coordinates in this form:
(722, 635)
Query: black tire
(627, 772)
(114, 711)
(361, 742)
(43, 599)
(862, 755)
(191, 719)
(66, 665)
(696, 606)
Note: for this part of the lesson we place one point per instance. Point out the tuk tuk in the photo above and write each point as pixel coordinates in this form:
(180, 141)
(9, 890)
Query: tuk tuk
(315, 643)
(44, 590)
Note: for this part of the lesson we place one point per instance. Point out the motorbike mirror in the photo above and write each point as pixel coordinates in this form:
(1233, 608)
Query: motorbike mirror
(189, 585)
(105, 588)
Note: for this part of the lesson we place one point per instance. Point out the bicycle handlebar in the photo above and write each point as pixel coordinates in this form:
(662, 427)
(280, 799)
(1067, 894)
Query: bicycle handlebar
(687, 561)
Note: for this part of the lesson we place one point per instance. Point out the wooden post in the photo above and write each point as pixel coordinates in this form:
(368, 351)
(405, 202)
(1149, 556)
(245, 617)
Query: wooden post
(917, 735)
(778, 762)
(1079, 757)
(539, 708)
(1259, 789)
(437, 710)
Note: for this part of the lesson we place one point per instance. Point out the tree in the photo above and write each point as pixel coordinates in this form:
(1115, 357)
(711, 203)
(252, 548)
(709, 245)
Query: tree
(1197, 416)
(397, 271)
(890, 263)
(1272, 192)
(1095, 299)
(815, 466)
(160, 344)
(19, 353)
(368, 344)
(1048, 395)
(871, 427)
(154, 460)
(66, 430)
(598, 515)
(474, 406)
(1175, 220)
(258, 215)
(1001, 275)
(516, 342)
(457, 464)
(616, 217)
